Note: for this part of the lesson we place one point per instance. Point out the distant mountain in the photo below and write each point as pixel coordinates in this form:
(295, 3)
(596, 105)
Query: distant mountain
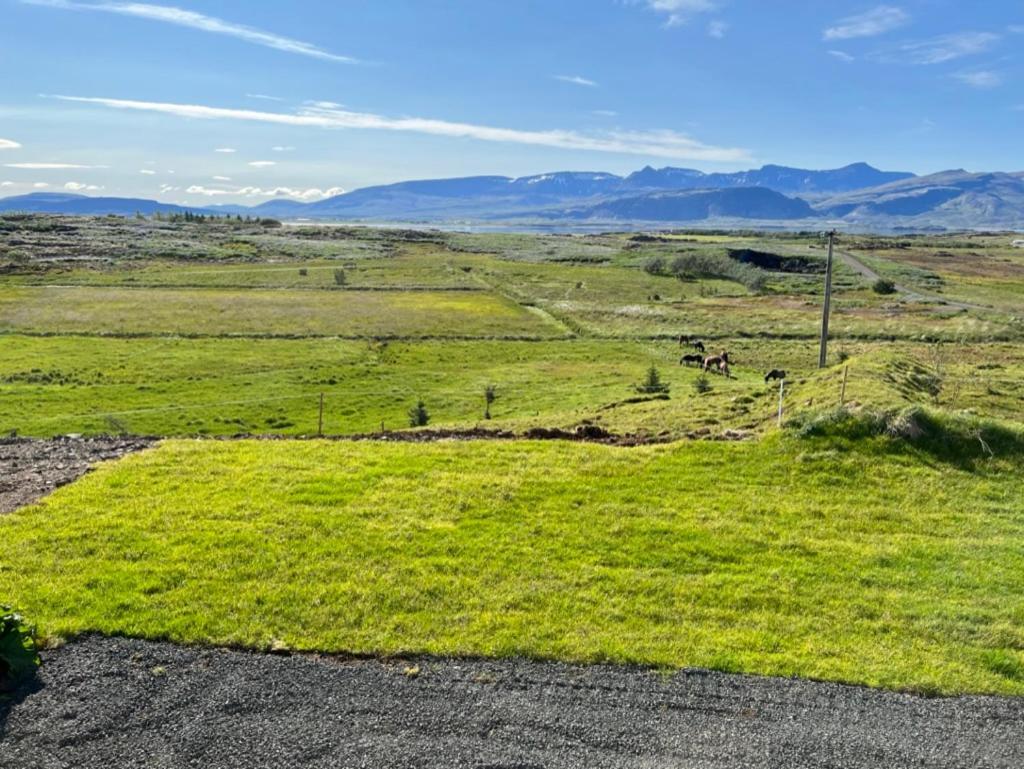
(951, 199)
(83, 205)
(779, 178)
(697, 205)
(858, 195)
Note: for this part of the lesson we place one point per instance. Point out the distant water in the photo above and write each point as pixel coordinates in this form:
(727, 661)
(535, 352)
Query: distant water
(548, 228)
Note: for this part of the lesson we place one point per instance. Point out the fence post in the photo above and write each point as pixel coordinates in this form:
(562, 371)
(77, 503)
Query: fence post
(842, 393)
(782, 387)
(320, 421)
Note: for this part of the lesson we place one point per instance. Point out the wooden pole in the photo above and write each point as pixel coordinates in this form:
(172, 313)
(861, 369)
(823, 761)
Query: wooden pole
(823, 350)
(782, 387)
(842, 393)
(320, 421)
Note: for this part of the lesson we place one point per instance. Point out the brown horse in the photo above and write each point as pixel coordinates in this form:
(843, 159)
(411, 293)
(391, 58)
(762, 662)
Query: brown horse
(719, 362)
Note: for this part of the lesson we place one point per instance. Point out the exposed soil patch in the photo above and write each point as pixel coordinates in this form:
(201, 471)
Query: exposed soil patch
(30, 469)
(125, 703)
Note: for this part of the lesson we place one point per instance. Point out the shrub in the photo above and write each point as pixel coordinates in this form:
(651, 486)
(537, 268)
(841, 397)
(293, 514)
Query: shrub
(700, 264)
(490, 395)
(18, 657)
(655, 266)
(303, 272)
(883, 286)
(652, 384)
(340, 278)
(702, 384)
(418, 415)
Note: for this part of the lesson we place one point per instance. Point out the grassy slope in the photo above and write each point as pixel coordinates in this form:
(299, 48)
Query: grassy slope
(869, 565)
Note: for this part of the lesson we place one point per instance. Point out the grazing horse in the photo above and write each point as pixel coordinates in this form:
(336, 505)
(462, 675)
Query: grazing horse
(696, 344)
(686, 360)
(775, 373)
(719, 362)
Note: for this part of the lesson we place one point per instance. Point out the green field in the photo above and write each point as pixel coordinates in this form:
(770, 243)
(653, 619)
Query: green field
(782, 557)
(876, 544)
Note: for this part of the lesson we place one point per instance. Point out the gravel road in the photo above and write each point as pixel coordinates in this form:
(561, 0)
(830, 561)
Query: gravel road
(125, 703)
(30, 469)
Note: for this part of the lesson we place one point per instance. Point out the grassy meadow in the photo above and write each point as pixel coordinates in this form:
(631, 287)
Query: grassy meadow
(886, 554)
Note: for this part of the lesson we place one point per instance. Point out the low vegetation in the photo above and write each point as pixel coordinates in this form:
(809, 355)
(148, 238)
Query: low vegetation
(874, 563)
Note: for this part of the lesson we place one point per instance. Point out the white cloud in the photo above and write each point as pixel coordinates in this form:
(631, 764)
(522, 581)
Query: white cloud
(263, 163)
(147, 172)
(226, 150)
(982, 79)
(877, 21)
(282, 149)
(79, 187)
(40, 185)
(222, 178)
(6, 184)
(680, 11)
(938, 50)
(658, 143)
(263, 96)
(576, 80)
(193, 20)
(325, 104)
(7, 144)
(717, 29)
(841, 55)
(313, 193)
(50, 166)
(168, 188)
(605, 113)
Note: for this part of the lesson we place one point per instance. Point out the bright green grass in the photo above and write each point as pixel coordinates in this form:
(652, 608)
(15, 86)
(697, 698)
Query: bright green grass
(867, 564)
(92, 310)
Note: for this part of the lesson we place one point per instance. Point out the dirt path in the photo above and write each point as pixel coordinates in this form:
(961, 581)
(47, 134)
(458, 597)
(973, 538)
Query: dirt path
(115, 702)
(30, 469)
(859, 267)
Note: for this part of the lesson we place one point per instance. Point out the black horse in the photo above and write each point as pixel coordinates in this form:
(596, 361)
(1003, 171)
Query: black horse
(775, 373)
(696, 360)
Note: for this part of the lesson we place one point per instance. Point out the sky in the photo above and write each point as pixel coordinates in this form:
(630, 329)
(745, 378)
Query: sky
(204, 101)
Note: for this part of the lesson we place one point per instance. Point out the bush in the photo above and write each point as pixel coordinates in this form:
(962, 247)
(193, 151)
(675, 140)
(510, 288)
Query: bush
(655, 266)
(418, 415)
(340, 278)
(883, 286)
(702, 264)
(652, 384)
(18, 657)
(702, 384)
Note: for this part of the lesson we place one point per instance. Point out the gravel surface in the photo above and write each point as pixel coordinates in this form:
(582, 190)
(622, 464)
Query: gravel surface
(124, 703)
(30, 469)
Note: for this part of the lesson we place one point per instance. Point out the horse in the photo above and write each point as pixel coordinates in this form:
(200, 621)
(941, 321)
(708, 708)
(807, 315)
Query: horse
(720, 362)
(774, 374)
(696, 344)
(686, 360)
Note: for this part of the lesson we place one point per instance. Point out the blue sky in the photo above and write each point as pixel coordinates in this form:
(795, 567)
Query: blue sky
(204, 101)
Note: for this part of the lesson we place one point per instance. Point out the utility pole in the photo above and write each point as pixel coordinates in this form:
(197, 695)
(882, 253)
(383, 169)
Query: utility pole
(823, 351)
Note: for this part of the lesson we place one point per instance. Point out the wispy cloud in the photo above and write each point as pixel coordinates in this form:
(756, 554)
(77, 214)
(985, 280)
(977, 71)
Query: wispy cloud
(50, 166)
(981, 79)
(41, 185)
(183, 18)
(282, 149)
(841, 55)
(605, 113)
(222, 178)
(8, 144)
(680, 11)
(263, 163)
(877, 21)
(6, 184)
(717, 29)
(939, 50)
(658, 143)
(313, 193)
(147, 172)
(576, 80)
(263, 96)
(81, 187)
(226, 150)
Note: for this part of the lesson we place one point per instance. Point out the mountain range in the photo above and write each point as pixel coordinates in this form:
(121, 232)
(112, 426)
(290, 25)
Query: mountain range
(856, 196)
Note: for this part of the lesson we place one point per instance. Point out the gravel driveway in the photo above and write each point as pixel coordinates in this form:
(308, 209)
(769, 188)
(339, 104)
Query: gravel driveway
(125, 703)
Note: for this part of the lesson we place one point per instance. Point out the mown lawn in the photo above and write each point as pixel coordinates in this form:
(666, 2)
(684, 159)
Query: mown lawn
(853, 562)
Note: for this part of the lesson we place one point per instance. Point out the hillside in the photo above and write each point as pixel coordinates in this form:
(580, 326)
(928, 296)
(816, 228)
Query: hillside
(698, 205)
(84, 205)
